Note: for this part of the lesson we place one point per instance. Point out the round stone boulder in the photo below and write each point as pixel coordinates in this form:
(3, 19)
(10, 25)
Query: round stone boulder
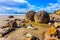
(30, 15)
(42, 17)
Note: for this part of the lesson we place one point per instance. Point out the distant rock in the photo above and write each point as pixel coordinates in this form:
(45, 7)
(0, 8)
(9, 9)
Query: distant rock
(42, 17)
(11, 16)
(30, 15)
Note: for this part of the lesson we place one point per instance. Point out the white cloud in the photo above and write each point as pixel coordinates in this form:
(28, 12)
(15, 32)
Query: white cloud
(21, 1)
(50, 3)
(6, 8)
(58, 0)
(16, 1)
(51, 7)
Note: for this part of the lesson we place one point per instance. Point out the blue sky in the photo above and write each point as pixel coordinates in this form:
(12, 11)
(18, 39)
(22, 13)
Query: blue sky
(22, 6)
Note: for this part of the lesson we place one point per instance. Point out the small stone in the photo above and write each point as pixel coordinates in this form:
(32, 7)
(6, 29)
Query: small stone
(28, 35)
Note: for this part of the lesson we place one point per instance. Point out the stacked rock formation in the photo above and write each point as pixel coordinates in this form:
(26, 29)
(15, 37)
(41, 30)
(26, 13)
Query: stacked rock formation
(42, 17)
(30, 15)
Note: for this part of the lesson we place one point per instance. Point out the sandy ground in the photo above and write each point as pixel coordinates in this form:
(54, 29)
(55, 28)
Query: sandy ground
(19, 33)
(5, 17)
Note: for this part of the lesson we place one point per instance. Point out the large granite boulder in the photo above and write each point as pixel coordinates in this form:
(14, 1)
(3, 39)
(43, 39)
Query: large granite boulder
(42, 17)
(30, 15)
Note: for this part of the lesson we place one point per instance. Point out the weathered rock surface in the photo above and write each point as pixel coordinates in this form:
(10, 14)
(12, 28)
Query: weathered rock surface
(30, 15)
(42, 17)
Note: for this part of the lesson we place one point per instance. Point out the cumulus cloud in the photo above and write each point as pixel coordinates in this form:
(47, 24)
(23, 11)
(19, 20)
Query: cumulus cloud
(50, 3)
(5, 9)
(51, 7)
(58, 0)
(11, 6)
(20, 1)
(6, 6)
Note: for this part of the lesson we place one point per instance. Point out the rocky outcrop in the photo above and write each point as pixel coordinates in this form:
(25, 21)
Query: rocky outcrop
(30, 16)
(42, 17)
(55, 17)
(57, 12)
